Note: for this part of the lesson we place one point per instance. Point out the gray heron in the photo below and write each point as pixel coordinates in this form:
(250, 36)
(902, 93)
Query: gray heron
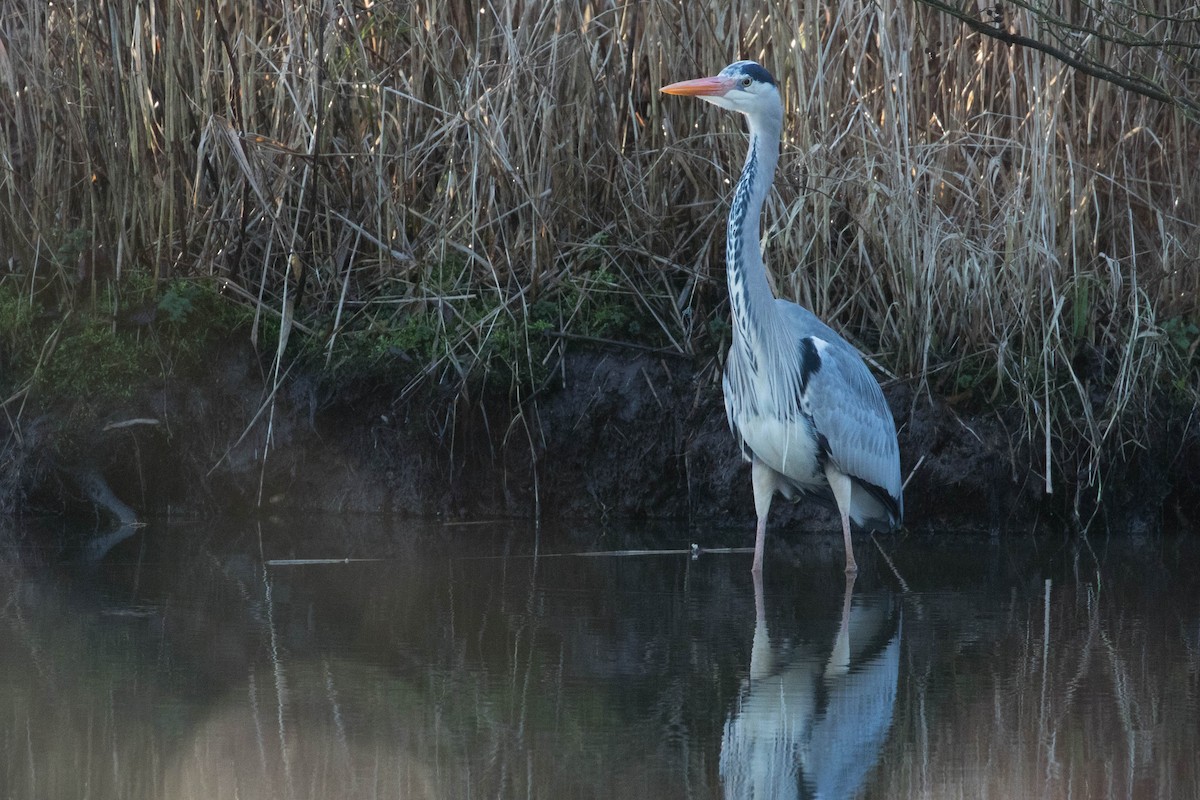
(808, 414)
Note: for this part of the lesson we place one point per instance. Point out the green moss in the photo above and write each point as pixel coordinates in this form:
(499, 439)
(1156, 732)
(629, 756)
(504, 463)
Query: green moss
(975, 374)
(71, 245)
(1182, 334)
(416, 337)
(95, 366)
(470, 338)
(138, 332)
(97, 355)
(17, 345)
(193, 313)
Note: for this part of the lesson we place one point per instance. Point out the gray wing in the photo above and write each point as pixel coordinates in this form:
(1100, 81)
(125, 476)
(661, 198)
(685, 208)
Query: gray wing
(850, 414)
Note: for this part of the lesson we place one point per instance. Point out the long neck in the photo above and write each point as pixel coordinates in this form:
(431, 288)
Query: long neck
(750, 295)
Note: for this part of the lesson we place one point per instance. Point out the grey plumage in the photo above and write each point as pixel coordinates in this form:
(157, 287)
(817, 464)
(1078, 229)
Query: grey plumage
(807, 412)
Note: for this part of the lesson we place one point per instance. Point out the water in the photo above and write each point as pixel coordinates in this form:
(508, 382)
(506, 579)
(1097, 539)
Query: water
(209, 661)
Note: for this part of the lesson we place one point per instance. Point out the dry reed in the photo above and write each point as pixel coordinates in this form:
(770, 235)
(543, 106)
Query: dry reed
(982, 218)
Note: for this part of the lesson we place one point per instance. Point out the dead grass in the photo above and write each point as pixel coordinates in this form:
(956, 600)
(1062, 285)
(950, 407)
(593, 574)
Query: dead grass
(979, 217)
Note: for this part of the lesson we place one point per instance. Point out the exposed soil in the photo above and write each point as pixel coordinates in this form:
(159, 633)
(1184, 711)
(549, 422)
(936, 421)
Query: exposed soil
(621, 434)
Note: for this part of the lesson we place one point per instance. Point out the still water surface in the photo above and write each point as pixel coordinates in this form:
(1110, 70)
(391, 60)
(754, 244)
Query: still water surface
(217, 661)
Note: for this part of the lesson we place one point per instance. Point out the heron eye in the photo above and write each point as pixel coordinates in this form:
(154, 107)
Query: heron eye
(746, 81)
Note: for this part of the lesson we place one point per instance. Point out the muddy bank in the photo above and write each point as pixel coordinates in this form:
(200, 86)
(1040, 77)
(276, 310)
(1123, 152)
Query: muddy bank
(617, 434)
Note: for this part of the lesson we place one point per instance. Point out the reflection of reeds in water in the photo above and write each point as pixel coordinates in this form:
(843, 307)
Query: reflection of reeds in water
(263, 745)
(482, 688)
(96, 706)
(571, 677)
(1081, 694)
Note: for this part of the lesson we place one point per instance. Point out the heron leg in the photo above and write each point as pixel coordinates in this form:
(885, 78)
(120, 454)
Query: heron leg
(839, 482)
(764, 480)
(760, 539)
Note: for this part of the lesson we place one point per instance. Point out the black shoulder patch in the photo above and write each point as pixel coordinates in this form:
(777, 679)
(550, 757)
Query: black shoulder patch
(810, 361)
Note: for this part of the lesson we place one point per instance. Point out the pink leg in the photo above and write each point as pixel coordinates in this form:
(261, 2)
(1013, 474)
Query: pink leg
(839, 482)
(760, 540)
(851, 564)
(760, 605)
(764, 481)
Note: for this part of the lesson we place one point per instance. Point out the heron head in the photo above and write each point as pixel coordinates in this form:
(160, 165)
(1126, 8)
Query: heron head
(742, 86)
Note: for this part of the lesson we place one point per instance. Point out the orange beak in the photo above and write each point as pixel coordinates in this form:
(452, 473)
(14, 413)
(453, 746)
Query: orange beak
(701, 87)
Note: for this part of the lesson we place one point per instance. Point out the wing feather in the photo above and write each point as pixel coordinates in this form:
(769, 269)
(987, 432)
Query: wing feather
(851, 415)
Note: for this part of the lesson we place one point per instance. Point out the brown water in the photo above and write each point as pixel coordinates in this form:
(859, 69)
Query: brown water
(205, 661)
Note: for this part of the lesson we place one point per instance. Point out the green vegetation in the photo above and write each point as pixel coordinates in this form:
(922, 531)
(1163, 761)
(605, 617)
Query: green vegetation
(95, 364)
(95, 357)
(976, 215)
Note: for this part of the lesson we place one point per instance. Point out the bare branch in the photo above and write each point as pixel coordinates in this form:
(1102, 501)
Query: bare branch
(1133, 83)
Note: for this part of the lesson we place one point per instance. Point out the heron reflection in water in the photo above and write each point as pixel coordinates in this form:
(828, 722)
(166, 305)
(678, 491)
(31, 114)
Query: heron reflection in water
(810, 722)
